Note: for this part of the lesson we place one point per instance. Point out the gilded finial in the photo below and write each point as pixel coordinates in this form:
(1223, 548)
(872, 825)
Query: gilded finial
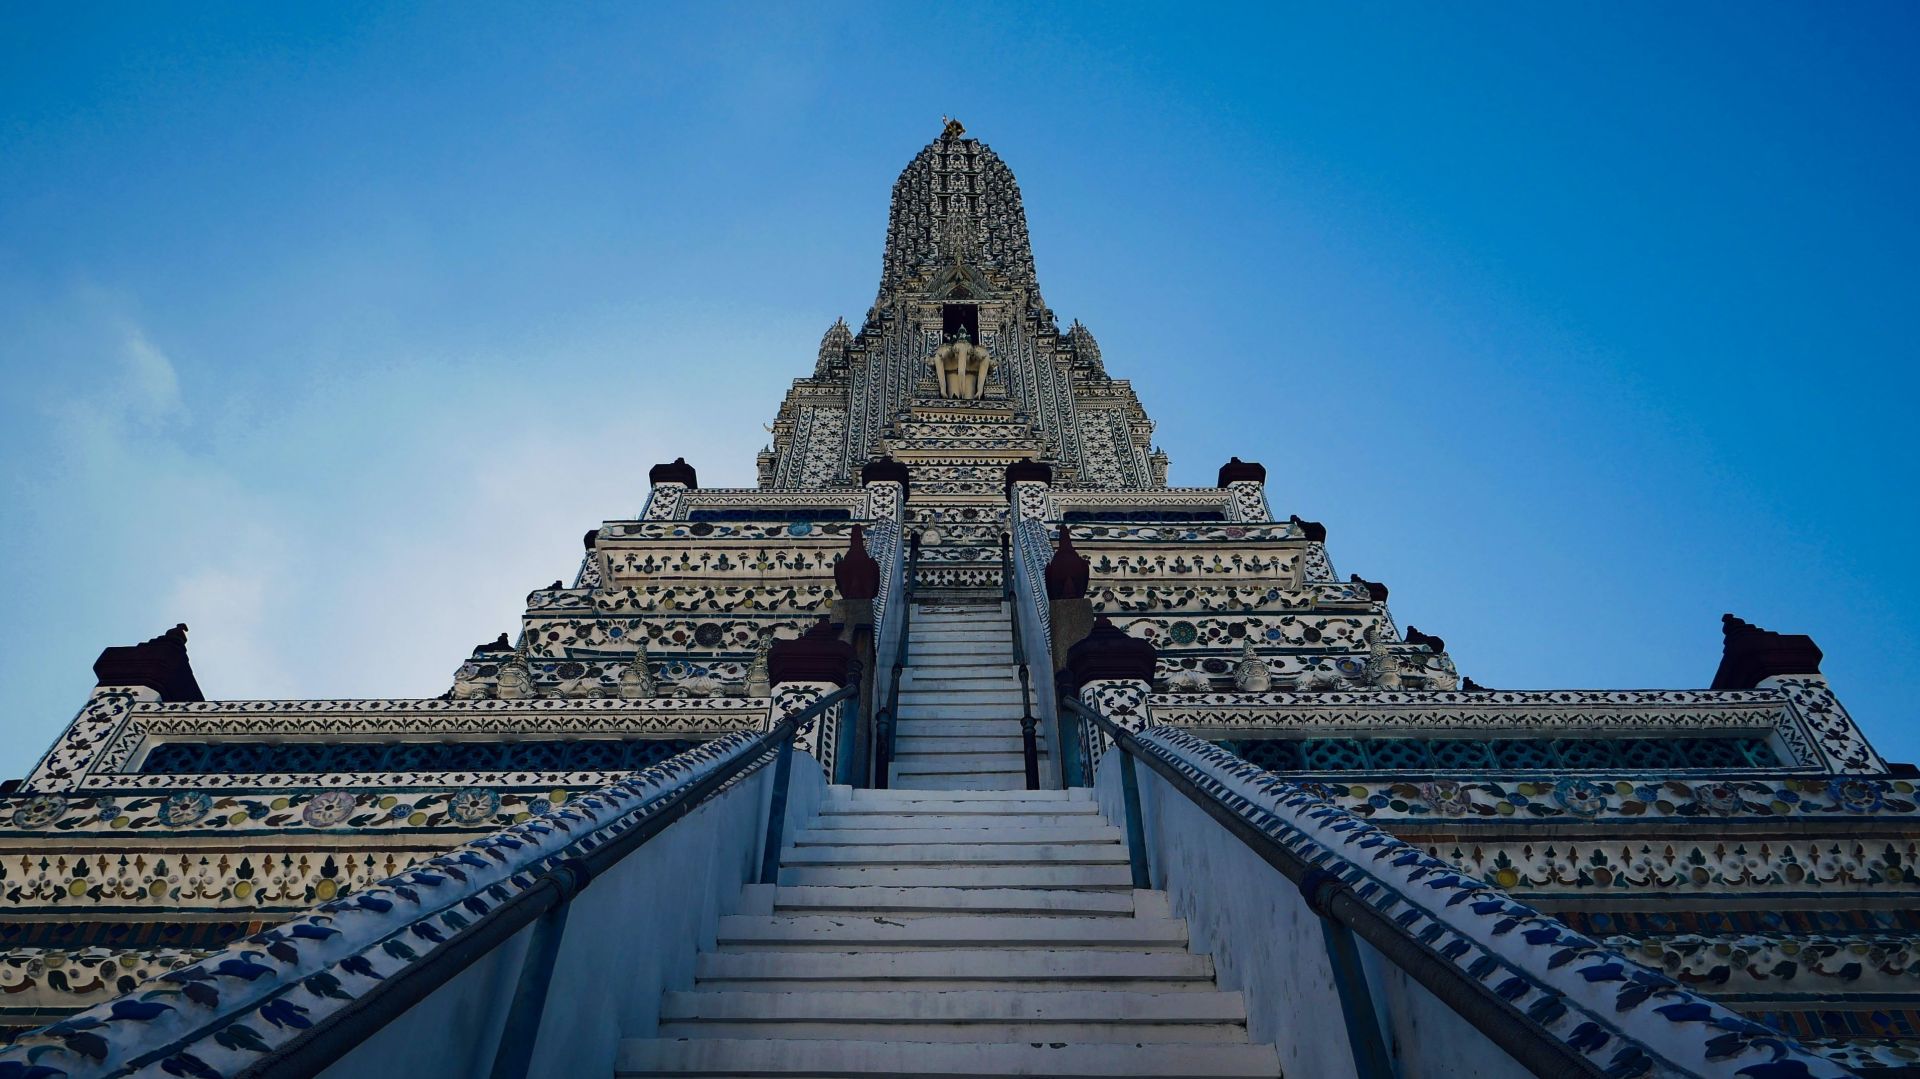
(954, 129)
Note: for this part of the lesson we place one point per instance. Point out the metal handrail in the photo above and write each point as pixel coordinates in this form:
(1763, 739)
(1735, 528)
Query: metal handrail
(1029, 741)
(883, 719)
(1333, 900)
(545, 901)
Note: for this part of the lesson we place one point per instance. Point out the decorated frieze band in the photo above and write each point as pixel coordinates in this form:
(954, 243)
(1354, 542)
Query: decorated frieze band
(119, 725)
(184, 879)
(187, 810)
(1755, 802)
(1778, 714)
(1567, 983)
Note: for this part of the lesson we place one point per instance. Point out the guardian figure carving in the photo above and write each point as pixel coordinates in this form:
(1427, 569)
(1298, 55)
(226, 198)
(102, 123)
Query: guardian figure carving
(961, 368)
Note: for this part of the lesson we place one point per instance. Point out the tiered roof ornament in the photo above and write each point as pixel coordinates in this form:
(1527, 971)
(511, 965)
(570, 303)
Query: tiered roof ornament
(956, 197)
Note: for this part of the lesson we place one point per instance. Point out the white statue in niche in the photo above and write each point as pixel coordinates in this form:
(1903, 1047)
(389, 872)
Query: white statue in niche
(961, 368)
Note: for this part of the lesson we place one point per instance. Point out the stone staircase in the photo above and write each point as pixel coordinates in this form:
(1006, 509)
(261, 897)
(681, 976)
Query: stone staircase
(958, 726)
(946, 934)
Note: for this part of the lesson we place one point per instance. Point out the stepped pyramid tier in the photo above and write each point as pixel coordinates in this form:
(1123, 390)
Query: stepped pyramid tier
(961, 745)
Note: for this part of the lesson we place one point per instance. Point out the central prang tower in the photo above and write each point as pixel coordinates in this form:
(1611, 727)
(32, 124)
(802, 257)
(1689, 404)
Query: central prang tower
(959, 368)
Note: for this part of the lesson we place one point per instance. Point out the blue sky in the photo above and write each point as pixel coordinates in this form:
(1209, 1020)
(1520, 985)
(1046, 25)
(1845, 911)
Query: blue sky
(328, 330)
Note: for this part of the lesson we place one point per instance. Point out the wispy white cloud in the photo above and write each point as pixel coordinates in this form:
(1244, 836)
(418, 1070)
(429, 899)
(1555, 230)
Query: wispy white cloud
(150, 386)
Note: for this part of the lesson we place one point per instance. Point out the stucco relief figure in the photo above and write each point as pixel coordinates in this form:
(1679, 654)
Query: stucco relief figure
(961, 368)
(1383, 667)
(1250, 675)
(516, 680)
(636, 679)
(468, 685)
(1188, 681)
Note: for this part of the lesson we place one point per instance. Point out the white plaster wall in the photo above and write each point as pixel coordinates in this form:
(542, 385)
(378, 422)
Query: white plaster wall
(631, 935)
(1269, 946)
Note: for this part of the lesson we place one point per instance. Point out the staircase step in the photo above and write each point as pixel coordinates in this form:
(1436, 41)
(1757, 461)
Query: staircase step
(986, 876)
(987, 657)
(964, 1014)
(1095, 1031)
(1105, 852)
(939, 764)
(957, 1015)
(929, 811)
(925, 901)
(850, 932)
(981, 693)
(955, 709)
(959, 672)
(922, 744)
(957, 823)
(964, 681)
(962, 781)
(1005, 756)
(956, 966)
(1001, 683)
(922, 1060)
(934, 727)
(1089, 832)
(962, 1006)
(1072, 796)
(929, 725)
(932, 814)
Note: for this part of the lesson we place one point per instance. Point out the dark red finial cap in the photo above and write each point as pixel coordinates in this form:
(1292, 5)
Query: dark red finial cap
(1068, 575)
(675, 471)
(591, 539)
(1751, 654)
(1313, 530)
(1376, 591)
(1436, 644)
(856, 573)
(1109, 652)
(817, 656)
(498, 644)
(160, 664)
(1238, 471)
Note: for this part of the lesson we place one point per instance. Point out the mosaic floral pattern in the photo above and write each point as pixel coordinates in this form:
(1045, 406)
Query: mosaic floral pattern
(38, 811)
(184, 808)
(326, 809)
(67, 978)
(473, 806)
(1684, 863)
(1749, 963)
